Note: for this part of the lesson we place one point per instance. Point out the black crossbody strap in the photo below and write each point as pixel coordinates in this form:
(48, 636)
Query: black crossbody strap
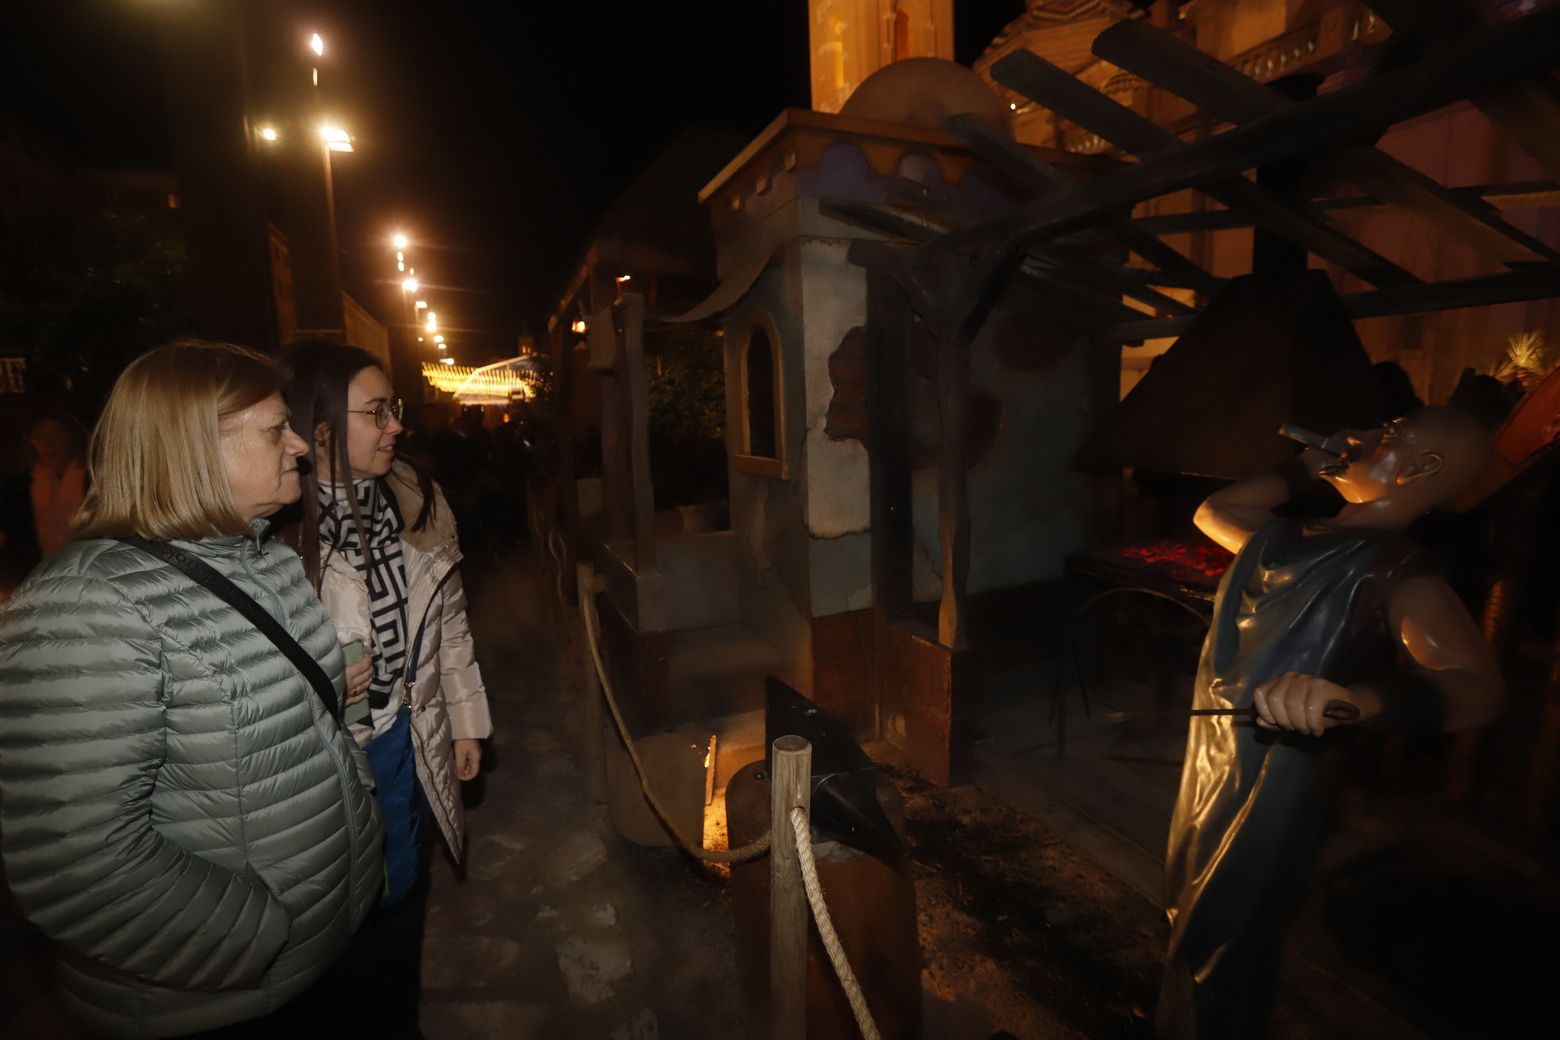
(242, 602)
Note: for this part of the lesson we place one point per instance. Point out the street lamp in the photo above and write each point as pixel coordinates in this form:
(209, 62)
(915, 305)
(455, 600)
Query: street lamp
(400, 240)
(268, 133)
(335, 138)
(410, 285)
(317, 45)
(433, 322)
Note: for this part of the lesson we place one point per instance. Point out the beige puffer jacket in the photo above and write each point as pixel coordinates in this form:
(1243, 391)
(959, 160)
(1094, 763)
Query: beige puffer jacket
(447, 698)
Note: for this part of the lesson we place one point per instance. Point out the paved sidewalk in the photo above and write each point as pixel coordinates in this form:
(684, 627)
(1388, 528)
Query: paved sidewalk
(560, 928)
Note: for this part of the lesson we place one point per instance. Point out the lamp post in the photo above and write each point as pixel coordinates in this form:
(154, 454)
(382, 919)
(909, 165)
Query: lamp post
(304, 150)
(206, 72)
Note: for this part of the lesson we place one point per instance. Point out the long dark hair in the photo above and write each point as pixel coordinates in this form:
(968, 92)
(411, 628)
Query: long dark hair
(318, 372)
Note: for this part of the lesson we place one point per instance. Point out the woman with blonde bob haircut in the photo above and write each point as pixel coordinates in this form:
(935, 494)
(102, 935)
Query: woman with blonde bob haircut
(179, 811)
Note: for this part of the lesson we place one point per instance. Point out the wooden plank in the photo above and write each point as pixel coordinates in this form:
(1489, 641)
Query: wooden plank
(1518, 195)
(1478, 62)
(889, 448)
(638, 386)
(1534, 283)
(1053, 260)
(1529, 111)
(1229, 94)
(1294, 219)
(1063, 277)
(1017, 161)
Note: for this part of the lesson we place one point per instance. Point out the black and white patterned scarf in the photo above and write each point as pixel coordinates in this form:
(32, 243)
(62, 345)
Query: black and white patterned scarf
(383, 566)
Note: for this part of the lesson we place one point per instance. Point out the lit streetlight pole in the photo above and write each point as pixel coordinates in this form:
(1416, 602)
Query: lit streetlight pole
(304, 155)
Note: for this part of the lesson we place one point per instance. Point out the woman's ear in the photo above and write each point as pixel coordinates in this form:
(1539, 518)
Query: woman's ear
(321, 436)
(1425, 464)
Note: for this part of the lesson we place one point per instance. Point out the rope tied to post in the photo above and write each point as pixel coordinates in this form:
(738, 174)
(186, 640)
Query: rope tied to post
(826, 932)
(742, 853)
(800, 826)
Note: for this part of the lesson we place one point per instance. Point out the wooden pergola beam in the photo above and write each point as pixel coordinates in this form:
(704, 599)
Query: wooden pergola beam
(1477, 62)
(1169, 62)
(1517, 195)
(1528, 110)
(1030, 170)
(1054, 273)
(1533, 283)
(1293, 219)
(1117, 280)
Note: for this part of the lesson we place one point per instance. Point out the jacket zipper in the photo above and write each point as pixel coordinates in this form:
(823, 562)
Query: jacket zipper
(410, 675)
(330, 749)
(410, 678)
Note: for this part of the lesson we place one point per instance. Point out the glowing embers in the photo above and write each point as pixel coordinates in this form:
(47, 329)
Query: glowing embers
(1199, 563)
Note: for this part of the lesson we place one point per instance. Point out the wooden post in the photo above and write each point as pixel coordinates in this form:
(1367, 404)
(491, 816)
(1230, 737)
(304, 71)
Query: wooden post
(790, 785)
(889, 451)
(638, 415)
(563, 410)
(595, 776)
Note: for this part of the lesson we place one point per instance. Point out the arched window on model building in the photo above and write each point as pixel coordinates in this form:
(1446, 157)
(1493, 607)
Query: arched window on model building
(759, 383)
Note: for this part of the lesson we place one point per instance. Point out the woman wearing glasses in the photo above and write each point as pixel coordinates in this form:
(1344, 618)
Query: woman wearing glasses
(379, 543)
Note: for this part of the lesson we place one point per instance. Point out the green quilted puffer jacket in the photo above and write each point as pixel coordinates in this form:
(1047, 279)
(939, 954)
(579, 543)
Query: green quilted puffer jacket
(177, 810)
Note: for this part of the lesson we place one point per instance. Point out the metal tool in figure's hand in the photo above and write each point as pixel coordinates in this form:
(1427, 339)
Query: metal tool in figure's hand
(1337, 711)
(1335, 446)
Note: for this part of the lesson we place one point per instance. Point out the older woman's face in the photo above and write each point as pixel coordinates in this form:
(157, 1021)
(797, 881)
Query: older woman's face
(260, 453)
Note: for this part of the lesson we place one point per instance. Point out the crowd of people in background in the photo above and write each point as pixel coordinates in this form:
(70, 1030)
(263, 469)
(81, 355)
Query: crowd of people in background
(483, 473)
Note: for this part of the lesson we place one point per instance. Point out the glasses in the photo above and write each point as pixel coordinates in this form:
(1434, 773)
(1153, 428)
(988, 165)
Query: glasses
(382, 415)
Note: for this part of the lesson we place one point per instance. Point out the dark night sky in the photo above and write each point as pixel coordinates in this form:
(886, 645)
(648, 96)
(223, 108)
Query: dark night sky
(495, 134)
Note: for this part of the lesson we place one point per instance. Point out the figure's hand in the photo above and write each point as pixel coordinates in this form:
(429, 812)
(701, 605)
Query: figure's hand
(468, 758)
(359, 676)
(1296, 702)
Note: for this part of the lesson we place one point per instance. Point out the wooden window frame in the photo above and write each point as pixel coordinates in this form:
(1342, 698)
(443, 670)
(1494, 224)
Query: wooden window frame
(774, 467)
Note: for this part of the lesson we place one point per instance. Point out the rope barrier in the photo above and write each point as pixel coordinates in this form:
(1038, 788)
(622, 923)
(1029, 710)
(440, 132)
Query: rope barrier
(753, 850)
(826, 932)
(742, 854)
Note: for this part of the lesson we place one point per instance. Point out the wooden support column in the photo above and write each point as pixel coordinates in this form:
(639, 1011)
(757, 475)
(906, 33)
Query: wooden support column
(636, 381)
(953, 499)
(969, 297)
(563, 415)
(888, 448)
(606, 357)
(614, 468)
(790, 785)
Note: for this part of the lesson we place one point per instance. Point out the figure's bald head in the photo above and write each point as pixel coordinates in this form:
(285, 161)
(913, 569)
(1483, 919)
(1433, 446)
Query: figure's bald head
(1462, 444)
(1426, 459)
